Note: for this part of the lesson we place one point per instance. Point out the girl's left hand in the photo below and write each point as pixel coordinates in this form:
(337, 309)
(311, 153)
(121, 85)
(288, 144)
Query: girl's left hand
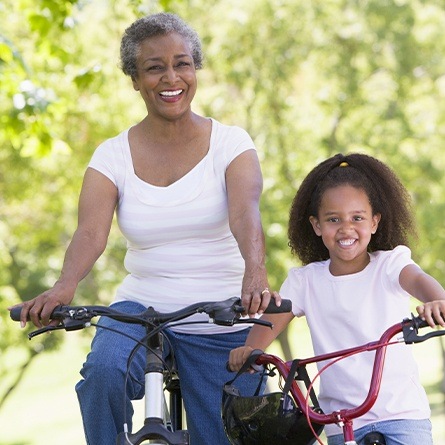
(433, 312)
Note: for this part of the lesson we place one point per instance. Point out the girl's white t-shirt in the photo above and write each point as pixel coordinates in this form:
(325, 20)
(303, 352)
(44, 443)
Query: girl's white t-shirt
(180, 249)
(350, 310)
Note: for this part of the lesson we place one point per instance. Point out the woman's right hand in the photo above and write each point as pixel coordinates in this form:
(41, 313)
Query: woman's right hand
(39, 309)
(238, 356)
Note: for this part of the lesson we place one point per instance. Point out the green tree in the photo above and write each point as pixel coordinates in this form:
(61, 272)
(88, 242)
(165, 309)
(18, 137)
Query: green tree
(312, 79)
(306, 79)
(52, 118)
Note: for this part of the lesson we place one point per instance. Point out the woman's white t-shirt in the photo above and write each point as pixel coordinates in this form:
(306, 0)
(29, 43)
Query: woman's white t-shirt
(180, 249)
(350, 310)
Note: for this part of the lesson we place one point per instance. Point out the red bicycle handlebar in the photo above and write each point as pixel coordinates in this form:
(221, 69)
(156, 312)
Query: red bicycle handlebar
(409, 327)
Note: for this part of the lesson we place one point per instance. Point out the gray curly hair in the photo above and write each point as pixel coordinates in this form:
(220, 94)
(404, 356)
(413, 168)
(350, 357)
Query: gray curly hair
(151, 26)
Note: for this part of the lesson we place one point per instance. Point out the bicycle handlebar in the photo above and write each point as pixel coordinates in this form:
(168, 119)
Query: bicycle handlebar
(226, 313)
(409, 327)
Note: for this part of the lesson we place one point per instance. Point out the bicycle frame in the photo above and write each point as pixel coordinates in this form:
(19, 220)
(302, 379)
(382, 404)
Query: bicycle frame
(345, 417)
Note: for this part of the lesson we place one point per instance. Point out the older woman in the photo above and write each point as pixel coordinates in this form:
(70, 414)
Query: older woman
(186, 192)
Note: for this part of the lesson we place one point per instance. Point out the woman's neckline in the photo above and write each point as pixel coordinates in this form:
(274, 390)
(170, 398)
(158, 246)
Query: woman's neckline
(178, 178)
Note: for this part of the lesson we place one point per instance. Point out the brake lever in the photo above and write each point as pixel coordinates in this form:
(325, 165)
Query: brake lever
(411, 328)
(45, 329)
(411, 336)
(259, 321)
(68, 324)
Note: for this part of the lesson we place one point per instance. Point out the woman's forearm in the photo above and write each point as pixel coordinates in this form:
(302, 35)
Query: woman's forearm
(248, 232)
(82, 253)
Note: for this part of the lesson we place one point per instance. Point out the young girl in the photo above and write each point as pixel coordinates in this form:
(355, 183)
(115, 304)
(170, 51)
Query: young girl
(349, 225)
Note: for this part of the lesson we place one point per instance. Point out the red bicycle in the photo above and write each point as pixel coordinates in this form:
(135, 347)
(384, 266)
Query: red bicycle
(299, 420)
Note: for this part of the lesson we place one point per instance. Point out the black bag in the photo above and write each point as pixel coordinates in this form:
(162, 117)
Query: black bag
(268, 419)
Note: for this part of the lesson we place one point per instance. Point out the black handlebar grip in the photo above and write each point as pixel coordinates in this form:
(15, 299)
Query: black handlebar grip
(286, 306)
(15, 313)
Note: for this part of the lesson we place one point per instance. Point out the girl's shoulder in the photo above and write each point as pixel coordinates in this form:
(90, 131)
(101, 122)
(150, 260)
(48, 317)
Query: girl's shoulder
(388, 264)
(399, 252)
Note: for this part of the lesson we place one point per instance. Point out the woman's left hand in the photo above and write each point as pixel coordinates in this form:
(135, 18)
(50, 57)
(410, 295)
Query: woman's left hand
(256, 295)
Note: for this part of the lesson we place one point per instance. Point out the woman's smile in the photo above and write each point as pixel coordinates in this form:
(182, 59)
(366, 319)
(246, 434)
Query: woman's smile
(170, 94)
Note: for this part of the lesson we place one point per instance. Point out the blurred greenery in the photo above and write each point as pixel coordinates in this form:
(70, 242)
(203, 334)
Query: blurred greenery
(306, 79)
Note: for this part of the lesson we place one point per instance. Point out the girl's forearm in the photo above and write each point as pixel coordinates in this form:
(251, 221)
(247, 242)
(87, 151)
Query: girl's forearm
(421, 285)
(260, 337)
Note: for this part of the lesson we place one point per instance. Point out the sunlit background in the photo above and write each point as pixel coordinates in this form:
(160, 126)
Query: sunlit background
(305, 79)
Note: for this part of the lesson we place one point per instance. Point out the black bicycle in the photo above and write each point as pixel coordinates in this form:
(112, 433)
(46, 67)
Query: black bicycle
(164, 421)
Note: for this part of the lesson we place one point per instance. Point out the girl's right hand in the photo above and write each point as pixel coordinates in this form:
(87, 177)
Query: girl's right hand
(238, 356)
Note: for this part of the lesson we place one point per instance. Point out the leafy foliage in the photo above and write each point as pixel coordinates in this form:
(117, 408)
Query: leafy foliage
(306, 79)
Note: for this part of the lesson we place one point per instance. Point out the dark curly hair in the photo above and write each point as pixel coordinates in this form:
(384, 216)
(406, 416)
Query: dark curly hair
(386, 194)
(152, 26)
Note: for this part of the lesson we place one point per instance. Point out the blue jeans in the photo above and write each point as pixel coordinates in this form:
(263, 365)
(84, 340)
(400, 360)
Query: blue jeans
(200, 359)
(396, 432)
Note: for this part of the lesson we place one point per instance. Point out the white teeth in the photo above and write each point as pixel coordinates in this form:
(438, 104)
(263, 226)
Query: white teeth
(170, 93)
(346, 242)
